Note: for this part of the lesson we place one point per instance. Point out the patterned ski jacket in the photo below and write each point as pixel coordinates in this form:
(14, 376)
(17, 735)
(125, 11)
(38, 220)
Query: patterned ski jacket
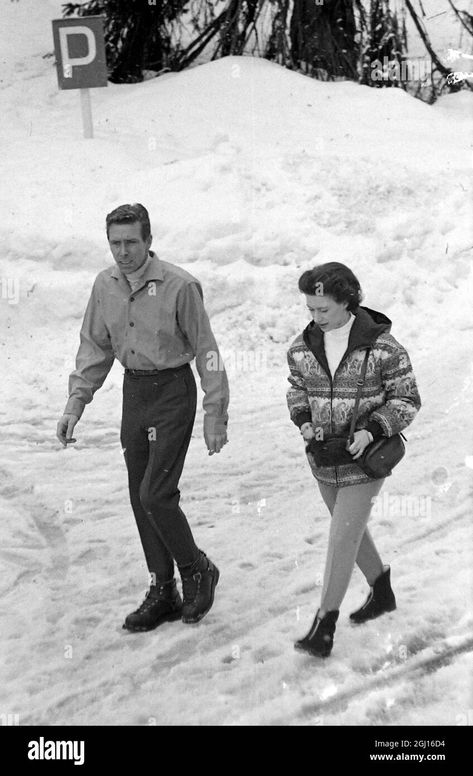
(389, 401)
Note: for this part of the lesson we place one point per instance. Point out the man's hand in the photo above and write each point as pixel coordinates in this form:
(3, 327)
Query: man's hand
(215, 442)
(65, 427)
(361, 439)
(307, 431)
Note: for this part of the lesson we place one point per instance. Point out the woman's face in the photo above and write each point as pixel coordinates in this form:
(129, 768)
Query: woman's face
(326, 312)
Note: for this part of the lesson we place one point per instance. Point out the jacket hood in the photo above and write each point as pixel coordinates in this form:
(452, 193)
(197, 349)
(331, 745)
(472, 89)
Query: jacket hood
(367, 327)
(379, 321)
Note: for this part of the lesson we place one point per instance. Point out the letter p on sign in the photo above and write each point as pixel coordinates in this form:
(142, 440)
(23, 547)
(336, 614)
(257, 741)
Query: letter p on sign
(67, 60)
(80, 52)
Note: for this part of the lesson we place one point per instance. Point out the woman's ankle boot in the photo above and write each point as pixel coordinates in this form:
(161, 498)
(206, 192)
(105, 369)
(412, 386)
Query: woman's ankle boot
(319, 640)
(380, 600)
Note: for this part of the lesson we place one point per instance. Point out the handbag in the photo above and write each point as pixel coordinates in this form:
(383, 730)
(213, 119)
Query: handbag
(332, 451)
(378, 458)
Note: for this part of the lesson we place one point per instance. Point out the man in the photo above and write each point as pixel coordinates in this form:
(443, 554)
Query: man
(149, 314)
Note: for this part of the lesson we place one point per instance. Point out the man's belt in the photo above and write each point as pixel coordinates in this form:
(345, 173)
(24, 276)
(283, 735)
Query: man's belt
(145, 372)
(142, 371)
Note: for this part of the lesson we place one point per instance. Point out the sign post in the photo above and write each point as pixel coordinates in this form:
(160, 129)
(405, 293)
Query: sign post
(87, 123)
(80, 59)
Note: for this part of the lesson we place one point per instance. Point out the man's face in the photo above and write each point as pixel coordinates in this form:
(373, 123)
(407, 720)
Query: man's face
(128, 248)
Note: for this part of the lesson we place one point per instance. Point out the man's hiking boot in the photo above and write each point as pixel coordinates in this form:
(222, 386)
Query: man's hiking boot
(162, 603)
(198, 588)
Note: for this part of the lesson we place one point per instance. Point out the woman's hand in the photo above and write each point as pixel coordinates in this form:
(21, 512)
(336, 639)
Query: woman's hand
(361, 439)
(307, 431)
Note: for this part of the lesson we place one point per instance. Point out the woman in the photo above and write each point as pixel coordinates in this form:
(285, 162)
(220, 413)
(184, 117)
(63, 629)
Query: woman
(325, 362)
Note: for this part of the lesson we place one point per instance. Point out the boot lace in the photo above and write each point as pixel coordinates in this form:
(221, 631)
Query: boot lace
(150, 600)
(191, 587)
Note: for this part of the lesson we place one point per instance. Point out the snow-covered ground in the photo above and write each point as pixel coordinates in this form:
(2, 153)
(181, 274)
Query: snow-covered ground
(251, 174)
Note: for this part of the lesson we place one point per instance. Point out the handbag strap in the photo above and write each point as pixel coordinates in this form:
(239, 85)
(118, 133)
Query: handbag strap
(360, 383)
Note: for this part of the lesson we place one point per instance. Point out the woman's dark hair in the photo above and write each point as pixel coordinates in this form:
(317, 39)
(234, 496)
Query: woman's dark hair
(335, 280)
(130, 214)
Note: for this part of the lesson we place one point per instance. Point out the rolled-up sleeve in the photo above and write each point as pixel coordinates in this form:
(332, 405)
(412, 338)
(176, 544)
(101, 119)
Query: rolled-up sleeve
(94, 358)
(195, 325)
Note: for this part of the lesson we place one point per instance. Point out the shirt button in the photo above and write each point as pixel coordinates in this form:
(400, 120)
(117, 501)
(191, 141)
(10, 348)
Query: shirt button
(131, 323)
(132, 351)
(132, 299)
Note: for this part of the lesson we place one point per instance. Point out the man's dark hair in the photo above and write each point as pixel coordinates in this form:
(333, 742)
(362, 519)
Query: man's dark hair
(130, 214)
(335, 280)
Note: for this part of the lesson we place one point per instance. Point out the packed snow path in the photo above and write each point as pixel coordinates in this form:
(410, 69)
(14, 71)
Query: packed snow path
(71, 574)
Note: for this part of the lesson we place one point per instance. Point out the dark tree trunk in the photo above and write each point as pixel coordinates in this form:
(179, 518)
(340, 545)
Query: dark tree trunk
(239, 16)
(277, 48)
(132, 57)
(386, 41)
(323, 37)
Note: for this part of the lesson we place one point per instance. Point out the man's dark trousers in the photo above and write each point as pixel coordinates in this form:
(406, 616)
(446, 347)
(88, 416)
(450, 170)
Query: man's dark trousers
(157, 421)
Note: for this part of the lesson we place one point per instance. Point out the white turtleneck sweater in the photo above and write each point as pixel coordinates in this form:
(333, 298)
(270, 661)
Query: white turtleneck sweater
(134, 278)
(335, 343)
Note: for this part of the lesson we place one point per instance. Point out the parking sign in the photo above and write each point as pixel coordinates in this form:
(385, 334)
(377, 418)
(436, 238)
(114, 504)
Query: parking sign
(80, 52)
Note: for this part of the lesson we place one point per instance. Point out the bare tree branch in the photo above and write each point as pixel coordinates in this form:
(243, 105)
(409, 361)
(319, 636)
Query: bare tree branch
(460, 14)
(423, 34)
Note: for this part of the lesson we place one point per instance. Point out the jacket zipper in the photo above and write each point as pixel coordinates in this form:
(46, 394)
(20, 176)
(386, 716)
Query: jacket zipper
(331, 395)
(331, 411)
(345, 356)
(331, 401)
(331, 407)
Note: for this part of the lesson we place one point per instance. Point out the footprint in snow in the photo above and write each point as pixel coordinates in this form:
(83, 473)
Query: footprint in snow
(308, 587)
(102, 515)
(229, 659)
(92, 554)
(10, 491)
(263, 654)
(83, 622)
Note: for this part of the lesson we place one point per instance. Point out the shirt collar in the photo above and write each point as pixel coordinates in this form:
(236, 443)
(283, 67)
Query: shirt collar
(154, 269)
(138, 274)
